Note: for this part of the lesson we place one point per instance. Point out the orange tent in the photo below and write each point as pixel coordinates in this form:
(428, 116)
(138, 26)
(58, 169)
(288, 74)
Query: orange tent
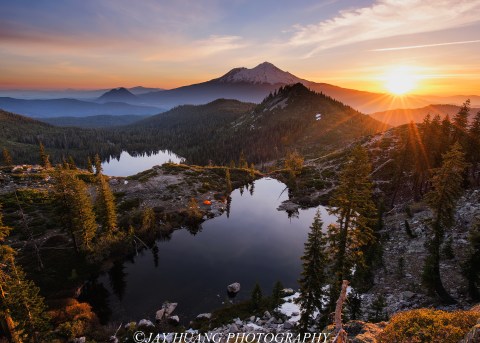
(207, 202)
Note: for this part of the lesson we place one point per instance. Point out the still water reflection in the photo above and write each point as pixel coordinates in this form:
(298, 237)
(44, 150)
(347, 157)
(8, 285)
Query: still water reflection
(255, 243)
(127, 164)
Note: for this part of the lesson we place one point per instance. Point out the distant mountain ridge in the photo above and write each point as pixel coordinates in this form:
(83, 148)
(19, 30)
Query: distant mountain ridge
(72, 108)
(99, 121)
(253, 85)
(79, 94)
(400, 116)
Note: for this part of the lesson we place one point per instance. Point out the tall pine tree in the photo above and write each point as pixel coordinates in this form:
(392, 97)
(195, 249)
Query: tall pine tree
(446, 189)
(460, 124)
(352, 204)
(148, 219)
(44, 157)
(313, 278)
(22, 309)
(106, 204)
(7, 158)
(89, 165)
(471, 267)
(98, 165)
(77, 209)
(473, 147)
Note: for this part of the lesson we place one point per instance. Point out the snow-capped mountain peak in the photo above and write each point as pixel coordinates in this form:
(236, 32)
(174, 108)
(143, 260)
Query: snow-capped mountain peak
(263, 73)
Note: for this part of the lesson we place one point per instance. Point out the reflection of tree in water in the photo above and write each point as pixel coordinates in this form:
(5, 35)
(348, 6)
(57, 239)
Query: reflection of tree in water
(295, 214)
(116, 276)
(155, 255)
(252, 188)
(229, 203)
(164, 235)
(97, 296)
(194, 228)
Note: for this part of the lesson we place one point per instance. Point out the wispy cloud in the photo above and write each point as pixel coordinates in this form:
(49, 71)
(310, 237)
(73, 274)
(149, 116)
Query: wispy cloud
(386, 18)
(198, 49)
(426, 45)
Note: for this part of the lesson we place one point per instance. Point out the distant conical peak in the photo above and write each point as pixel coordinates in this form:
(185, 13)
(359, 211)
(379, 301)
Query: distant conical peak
(116, 93)
(120, 89)
(264, 73)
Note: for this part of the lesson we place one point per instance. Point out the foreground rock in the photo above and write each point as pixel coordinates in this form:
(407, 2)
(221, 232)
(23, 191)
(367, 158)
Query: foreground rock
(166, 310)
(174, 320)
(204, 316)
(233, 288)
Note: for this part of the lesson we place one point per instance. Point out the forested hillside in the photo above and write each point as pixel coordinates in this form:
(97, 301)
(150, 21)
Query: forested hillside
(292, 118)
(218, 132)
(21, 136)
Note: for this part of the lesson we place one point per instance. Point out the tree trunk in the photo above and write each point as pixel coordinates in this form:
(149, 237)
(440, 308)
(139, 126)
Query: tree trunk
(439, 288)
(341, 334)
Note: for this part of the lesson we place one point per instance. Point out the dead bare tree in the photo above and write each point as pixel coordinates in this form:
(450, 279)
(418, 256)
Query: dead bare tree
(340, 333)
(29, 232)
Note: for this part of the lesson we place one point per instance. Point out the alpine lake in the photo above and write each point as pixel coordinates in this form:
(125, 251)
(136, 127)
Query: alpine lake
(254, 242)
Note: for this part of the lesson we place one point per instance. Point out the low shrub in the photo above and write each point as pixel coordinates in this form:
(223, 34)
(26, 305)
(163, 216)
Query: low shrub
(428, 325)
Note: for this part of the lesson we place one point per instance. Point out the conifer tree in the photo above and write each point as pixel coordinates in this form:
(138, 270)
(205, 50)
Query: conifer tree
(473, 147)
(65, 165)
(377, 310)
(6, 320)
(44, 158)
(256, 297)
(148, 219)
(294, 162)
(77, 209)
(89, 165)
(22, 310)
(460, 123)
(242, 162)
(313, 275)
(228, 181)
(446, 189)
(98, 165)
(354, 305)
(446, 135)
(106, 204)
(71, 163)
(7, 158)
(277, 294)
(352, 204)
(471, 267)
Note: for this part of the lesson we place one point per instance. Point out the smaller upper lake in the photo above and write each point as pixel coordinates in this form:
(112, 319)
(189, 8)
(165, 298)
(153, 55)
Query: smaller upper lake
(127, 164)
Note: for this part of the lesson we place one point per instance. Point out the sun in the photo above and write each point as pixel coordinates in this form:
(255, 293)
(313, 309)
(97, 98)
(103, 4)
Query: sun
(400, 80)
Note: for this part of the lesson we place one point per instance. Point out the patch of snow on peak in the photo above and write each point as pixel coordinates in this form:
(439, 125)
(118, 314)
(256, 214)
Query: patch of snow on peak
(263, 73)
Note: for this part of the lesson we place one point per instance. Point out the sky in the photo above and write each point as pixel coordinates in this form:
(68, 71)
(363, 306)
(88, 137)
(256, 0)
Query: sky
(89, 44)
